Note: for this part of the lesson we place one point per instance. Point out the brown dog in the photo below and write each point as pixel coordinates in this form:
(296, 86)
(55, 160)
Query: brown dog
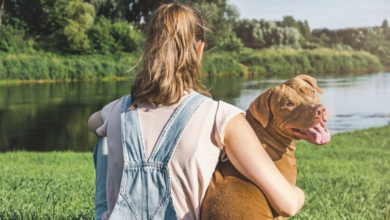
(283, 114)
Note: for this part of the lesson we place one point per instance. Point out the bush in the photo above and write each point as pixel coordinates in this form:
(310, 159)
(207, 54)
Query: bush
(108, 38)
(127, 36)
(13, 40)
(101, 38)
(218, 64)
(52, 67)
(230, 44)
(284, 61)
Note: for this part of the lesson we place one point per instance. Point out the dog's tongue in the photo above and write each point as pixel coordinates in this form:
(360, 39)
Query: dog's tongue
(318, 134)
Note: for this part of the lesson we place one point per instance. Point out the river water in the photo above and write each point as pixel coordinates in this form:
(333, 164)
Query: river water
(49, 117)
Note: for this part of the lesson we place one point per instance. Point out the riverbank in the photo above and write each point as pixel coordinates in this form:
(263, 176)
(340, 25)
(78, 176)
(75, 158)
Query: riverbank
(345, 179)
(48, 67)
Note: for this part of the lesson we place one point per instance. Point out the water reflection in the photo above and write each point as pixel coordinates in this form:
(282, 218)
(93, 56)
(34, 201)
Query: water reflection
(47, 117)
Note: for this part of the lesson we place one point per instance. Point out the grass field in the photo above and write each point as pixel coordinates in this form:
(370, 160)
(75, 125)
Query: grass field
(346, 179)
(47, 185)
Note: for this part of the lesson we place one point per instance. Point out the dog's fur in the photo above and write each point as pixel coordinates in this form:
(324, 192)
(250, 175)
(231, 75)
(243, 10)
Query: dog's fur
(232, 196)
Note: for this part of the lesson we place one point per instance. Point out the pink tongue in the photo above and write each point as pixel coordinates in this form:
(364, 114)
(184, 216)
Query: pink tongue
(318, 134)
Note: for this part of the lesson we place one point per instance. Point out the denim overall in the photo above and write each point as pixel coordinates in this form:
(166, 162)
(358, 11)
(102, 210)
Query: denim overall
(100, 161)
(145, 191)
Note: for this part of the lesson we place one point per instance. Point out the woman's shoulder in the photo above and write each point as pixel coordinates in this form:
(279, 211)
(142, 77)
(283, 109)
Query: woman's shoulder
(225, 112)
(110, 107)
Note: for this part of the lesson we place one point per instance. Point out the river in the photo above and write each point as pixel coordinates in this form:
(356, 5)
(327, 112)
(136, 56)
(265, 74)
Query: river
(53, 116)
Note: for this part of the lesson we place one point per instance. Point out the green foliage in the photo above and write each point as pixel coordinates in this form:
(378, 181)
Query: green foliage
(265, 34)
(373, 40)
(303, 27)
(221, 63)
(230, 43)
(127, 36)
(385, 27)
(52, 67)
(80, 18)
(289, 21)
(101, 38)
(284, 61)
(13, 40)
(220, 18)
(70, 27)
(111, 9)
(268, 61)
(113, 38)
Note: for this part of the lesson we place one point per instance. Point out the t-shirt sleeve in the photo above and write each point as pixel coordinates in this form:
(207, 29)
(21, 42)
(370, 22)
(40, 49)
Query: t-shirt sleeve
(225, 112)
(105, 114)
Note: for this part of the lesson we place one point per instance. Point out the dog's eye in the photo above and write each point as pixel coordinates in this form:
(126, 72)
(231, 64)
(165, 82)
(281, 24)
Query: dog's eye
(312, 92)
(289, 104)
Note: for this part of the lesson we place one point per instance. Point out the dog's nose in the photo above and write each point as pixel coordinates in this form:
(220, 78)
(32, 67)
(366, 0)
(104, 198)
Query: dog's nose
(321, 112)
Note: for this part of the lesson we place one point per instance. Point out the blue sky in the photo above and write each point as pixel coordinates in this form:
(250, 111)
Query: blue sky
(332, 14)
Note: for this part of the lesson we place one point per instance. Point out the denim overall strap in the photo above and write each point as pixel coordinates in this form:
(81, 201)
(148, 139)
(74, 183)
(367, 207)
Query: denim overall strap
(174, 128)
(100, 161)
(145, 191)
(131, 134)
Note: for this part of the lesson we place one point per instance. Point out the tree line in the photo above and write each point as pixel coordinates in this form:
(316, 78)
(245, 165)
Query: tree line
(375, 40)
(115, 26)
(93, 26)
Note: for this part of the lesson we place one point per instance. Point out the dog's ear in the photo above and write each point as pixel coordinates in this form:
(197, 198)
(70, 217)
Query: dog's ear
(311, 81)
(260, 107)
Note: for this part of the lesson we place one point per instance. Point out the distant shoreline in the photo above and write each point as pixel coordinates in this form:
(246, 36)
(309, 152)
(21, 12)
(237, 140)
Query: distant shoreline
(49, 68)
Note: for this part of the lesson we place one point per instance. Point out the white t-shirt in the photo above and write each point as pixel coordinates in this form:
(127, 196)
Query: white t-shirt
(194, 160)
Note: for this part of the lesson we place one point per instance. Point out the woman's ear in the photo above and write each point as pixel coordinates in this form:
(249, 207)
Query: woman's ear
(200, 49)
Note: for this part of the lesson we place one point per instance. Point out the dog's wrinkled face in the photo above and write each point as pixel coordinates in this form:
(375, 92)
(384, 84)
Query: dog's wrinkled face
(294, 110)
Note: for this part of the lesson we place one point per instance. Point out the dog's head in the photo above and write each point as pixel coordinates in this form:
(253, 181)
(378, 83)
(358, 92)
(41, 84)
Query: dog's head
(293, 109)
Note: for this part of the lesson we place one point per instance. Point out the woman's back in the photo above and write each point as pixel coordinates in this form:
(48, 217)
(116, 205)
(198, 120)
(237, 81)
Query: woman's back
(193, 161)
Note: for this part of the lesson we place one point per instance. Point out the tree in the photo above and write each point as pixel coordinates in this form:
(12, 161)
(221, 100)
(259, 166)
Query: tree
(385, 25)
(1, 11)
(289, 21)
(262, 34)
(220, 19)
(23, 14)
(304, 29)
(80, 18)
(386, 29)
(101, 38)
(113, 10)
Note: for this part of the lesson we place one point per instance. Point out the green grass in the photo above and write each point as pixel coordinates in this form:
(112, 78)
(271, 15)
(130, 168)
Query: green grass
(46, 185)
(284, 61)
(346, 179)
(222, 64)
(46, 67)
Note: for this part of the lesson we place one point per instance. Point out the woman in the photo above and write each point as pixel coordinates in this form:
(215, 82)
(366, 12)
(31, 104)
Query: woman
(165, 140)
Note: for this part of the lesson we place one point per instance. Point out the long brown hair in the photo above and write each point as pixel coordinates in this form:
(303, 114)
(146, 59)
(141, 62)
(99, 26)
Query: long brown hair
(170, 63)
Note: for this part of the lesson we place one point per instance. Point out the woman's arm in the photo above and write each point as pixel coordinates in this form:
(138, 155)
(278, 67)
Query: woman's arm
(95, 121)
(249, 157)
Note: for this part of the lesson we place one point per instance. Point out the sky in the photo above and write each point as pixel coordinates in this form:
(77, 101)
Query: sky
(331, 14)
